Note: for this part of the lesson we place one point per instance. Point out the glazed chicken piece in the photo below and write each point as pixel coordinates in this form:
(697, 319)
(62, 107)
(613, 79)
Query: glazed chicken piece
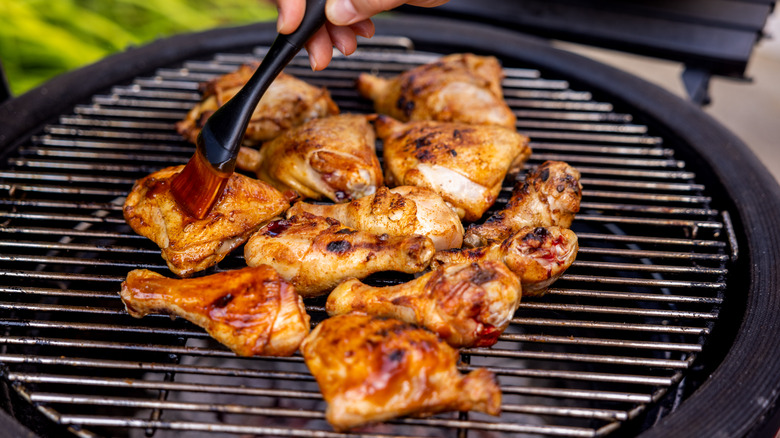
(288, 102)
(402, 211)
(188, 244)
(537, 255)
(465, 164)
(467, 304)
(549, 196)
(334, 157)
(375, 369)
(316, 253)
(252, 311)
(457, 88)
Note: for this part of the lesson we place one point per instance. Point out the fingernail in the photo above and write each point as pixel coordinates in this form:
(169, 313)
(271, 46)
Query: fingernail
(312, 62)
(341, 12)
(341, 48)
(280, 22)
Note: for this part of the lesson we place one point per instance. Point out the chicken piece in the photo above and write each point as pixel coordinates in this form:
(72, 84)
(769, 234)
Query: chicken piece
(402, 211)
(465, 164)
(549, 196)
(457, 88)
(333, 157)
(252, 311)
(316, 253)
(288, 102)
(188, 244)
(537, 255)
(375, 369)
(467, 304)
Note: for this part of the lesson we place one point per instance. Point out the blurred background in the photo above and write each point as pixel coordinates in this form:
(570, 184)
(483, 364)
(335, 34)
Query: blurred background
(40, 39)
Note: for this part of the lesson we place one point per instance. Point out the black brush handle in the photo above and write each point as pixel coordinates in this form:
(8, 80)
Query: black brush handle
(221, 136)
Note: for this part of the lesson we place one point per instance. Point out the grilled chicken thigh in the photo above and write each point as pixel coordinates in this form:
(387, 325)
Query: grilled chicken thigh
(467, 304)
(465, 164)
(537, 255)
(252, 311)
(188, 244)
(402, 211)
(316, 253)
(550, 195)
(333, 157)
(374, 369)
(457, 88)
(288, 102)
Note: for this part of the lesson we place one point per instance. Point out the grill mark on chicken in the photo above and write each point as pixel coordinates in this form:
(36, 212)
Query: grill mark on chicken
(222, 301)
(339, 246)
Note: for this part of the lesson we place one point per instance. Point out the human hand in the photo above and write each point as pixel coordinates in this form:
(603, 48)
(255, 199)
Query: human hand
(346, 20)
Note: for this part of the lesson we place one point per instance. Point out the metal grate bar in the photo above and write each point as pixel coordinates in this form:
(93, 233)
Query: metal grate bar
(568, 393)
(584, 358)
(651, 268)
(75, 247)
(651, 240)
(147, 147)
(611, 295)
(70, 232)
(652, 254)
(641, 185)
(85, 420)
(579, 159)
(619, 310)
(693, 348)
(620, 326)
(602, 149)
(641, 282)
(633, 379)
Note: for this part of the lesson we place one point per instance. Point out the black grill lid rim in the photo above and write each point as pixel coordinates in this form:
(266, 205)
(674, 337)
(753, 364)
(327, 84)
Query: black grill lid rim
(746, 376)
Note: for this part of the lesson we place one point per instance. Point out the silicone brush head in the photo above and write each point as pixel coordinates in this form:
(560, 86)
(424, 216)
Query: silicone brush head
(198, 186)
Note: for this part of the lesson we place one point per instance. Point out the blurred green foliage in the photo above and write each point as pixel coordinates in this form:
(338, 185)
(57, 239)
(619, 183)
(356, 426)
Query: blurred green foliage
(40, 39)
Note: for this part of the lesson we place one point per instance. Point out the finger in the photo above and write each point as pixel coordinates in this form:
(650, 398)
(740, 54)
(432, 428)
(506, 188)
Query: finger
(346, 12)
(320, 49)
(290, 15)
(363, 28)
(343, 38)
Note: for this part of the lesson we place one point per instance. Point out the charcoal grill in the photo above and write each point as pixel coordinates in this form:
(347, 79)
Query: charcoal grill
(664, 326)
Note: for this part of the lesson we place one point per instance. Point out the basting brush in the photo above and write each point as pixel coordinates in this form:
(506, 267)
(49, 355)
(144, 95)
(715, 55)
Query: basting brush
(197, 187)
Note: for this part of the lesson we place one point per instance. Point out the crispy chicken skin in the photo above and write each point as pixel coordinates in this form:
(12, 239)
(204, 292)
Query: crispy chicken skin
(549, 196)
(316, 253)
(332, 157)
(402, 211)
(252, 311)
(465, 164)
(457, 88)
(375, 369)
(190, 245)
(537, 255)
(467, 304)
(288, 102)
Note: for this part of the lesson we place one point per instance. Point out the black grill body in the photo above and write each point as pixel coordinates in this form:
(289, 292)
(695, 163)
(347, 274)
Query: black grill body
(729, 387)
